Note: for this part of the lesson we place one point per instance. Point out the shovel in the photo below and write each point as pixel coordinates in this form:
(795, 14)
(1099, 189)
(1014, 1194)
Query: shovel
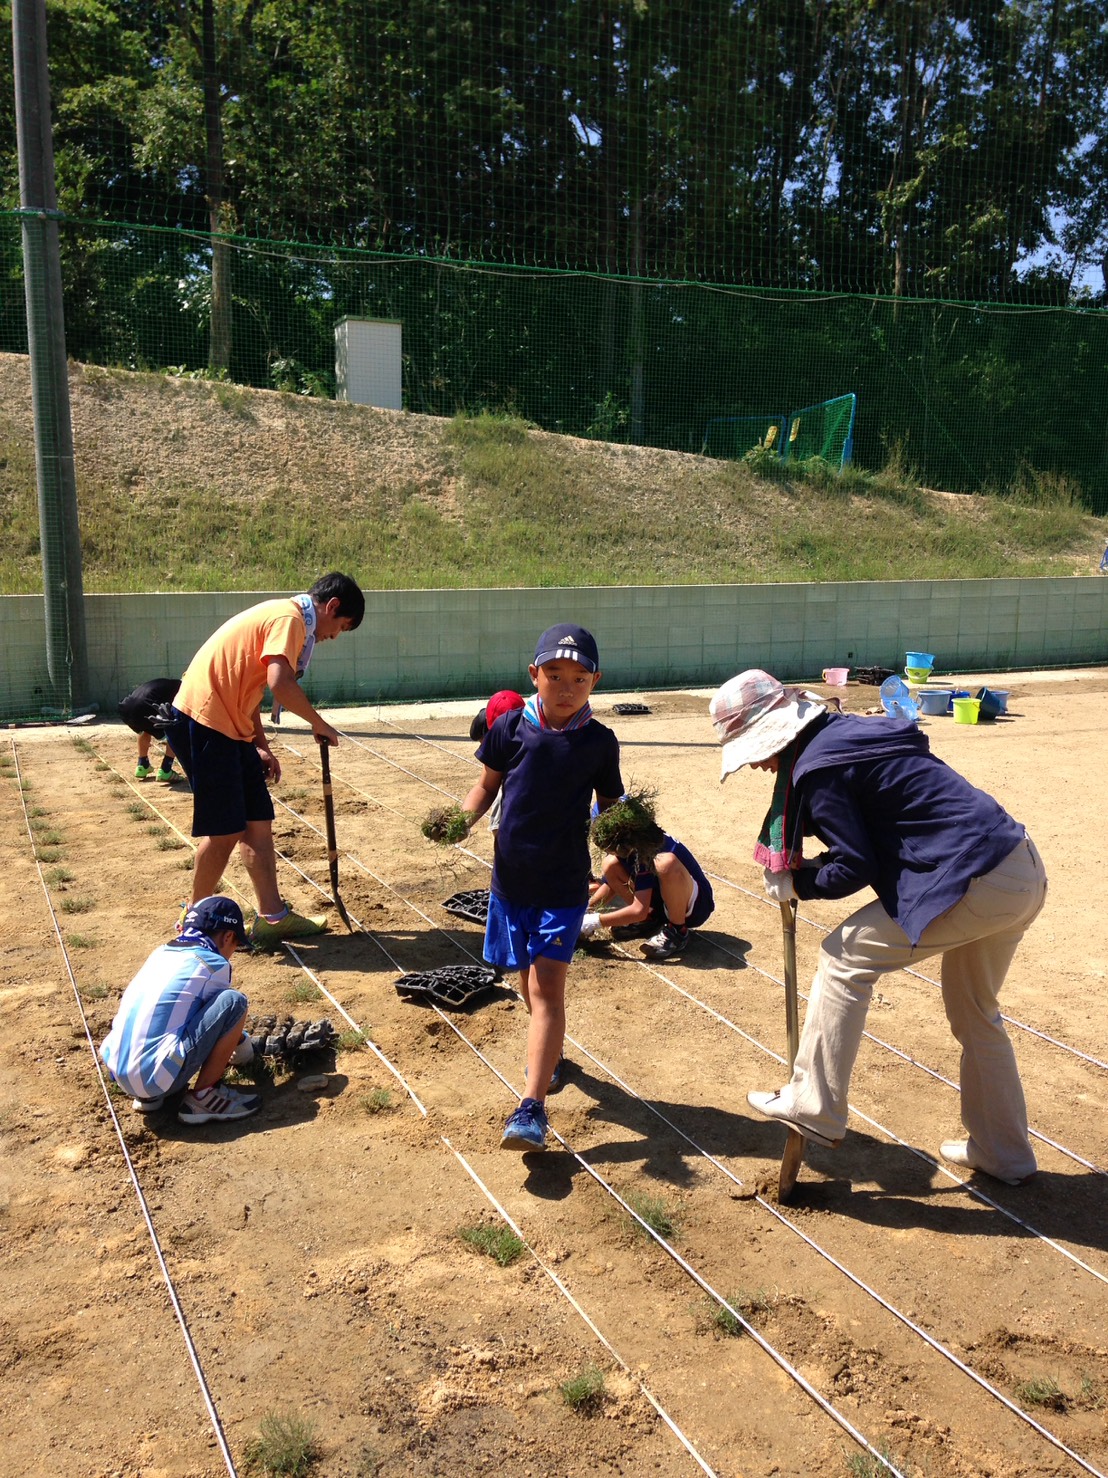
(794, 1145)
(332, 845)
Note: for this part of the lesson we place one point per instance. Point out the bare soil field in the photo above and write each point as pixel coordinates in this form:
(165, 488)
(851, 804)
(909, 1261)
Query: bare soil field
(163, 1289)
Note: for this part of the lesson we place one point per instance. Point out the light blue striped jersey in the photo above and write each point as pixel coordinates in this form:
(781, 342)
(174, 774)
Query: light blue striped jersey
(143, 1050)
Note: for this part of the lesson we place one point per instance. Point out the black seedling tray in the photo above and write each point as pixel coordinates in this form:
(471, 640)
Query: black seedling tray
(629, 708)
(449, 985)
(873, 676)
(473, 905)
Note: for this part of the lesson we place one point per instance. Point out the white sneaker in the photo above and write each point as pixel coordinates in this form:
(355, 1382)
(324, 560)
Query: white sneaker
(148, 1105)
(208, 1105)
(769, 1104)
(957, 1152)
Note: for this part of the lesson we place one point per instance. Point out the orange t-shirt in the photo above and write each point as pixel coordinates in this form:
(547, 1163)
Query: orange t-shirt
(225, 682)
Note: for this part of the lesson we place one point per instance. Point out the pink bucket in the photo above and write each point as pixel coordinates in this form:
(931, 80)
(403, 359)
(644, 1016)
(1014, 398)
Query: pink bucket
(835, 677)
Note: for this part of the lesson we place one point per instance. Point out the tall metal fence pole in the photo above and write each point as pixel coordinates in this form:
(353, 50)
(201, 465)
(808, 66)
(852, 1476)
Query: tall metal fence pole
(66, 648)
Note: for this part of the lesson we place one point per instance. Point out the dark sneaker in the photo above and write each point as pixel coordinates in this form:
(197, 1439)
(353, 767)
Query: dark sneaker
(143, 770)
(621, 933)
(526, 1129)
(292, 926)
(210, 1105)
(670, 943)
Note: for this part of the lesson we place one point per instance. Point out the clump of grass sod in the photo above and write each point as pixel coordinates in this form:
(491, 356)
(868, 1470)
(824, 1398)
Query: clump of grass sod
(629, 826)
(447, 825)
(499, 1243)
(584, 1392)
(285, 1445)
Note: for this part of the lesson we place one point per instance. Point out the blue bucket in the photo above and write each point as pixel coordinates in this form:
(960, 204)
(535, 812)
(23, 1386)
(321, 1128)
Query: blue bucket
(919, 659)
(933, 700)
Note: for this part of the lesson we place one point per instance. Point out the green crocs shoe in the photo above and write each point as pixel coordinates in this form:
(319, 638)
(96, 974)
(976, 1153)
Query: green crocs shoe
(292, 926)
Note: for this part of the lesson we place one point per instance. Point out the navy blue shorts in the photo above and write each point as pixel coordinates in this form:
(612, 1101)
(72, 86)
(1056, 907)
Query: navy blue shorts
(516, 934)
(704, 906)
(226, 775)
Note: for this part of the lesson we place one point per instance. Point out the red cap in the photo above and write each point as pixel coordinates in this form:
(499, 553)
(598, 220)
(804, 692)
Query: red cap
(502, 702)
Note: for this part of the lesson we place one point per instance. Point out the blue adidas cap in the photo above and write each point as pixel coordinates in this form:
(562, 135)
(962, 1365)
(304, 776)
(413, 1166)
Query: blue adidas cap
(568, 644)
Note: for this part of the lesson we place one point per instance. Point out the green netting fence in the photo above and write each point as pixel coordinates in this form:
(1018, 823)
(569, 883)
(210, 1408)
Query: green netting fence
(969, 396)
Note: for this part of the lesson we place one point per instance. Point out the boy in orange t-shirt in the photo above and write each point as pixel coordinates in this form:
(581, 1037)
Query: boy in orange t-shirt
(218, 737)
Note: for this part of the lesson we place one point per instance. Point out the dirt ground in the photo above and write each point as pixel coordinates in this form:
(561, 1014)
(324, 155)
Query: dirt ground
(313, 1253)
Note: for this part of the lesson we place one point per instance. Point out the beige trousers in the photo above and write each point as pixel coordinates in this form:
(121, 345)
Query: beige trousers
(977, 940)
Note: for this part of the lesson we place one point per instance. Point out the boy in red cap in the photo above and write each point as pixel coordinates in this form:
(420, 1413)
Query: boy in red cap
(548, 758)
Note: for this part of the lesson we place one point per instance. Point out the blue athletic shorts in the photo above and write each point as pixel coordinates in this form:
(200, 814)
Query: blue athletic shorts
(226, 775)
(204, 1031)
(517, 934)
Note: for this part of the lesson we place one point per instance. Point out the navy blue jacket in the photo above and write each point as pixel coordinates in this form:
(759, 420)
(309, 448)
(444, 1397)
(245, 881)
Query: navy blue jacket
(550, 776)
(894, 817)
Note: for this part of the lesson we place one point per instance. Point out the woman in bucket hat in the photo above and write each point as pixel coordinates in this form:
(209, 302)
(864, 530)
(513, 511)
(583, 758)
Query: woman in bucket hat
(955, 876)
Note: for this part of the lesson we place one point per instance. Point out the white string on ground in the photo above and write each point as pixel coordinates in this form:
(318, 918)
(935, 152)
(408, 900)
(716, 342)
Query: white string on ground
(936, 1345)
(972, 1189)
(1037, 1134)
(392, 1068)
(761, 899)
(579, 1309)
(178, 1310)
(692, 1272)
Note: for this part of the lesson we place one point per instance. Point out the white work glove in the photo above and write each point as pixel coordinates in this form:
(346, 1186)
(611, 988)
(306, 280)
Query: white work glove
(778, 885)
(589, 925)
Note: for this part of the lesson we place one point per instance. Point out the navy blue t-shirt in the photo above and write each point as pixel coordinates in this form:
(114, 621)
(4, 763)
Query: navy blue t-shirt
(550, 775)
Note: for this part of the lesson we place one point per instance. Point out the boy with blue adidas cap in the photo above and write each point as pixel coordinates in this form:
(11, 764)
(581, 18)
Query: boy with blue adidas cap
(548, 759)
(179, 1018)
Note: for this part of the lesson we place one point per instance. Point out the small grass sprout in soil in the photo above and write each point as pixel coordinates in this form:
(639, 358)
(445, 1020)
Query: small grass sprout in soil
(865, 1465)
(499, 1243)
(377, 1101)
(447, 825)
(1040, 1390)
(80, 941)
(350, 1041)
(745, 1303)
(654, 1212)
(77, 905)
(302, 992)
(584, 1392)
(285, 1445)
(58, 875)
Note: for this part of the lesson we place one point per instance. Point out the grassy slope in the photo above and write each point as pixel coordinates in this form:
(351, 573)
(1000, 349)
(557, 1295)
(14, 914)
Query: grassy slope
(193, 486)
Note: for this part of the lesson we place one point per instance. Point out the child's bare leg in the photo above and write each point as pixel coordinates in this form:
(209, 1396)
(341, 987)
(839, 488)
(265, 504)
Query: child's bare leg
(544, 991)
(216, 1063)
(676, 884)
(143, 747)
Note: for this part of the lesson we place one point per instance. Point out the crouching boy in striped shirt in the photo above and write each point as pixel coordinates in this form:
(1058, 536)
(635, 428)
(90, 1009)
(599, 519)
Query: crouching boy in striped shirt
(180, 1019)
